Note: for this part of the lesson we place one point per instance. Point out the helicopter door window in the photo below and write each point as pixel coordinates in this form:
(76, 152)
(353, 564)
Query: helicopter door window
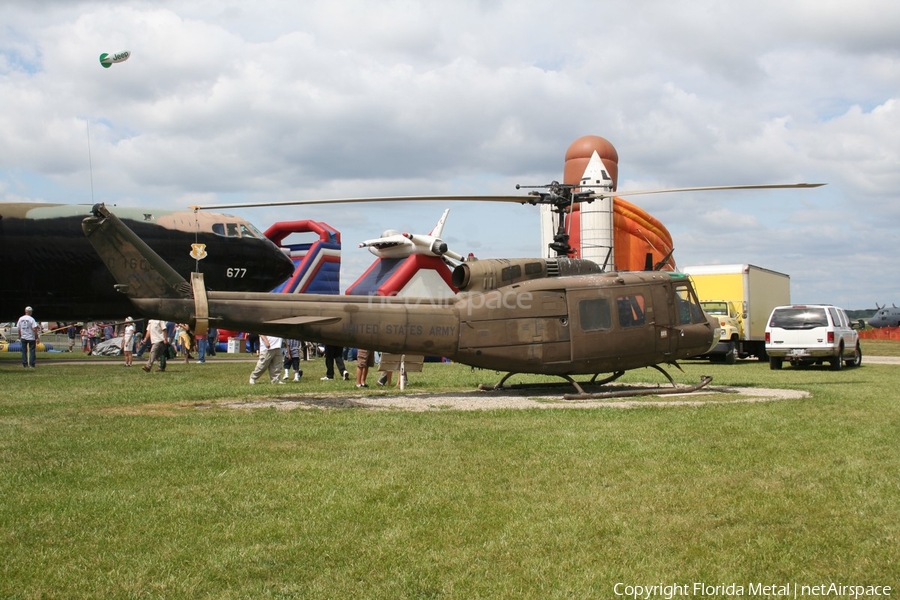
(595, 314)
(631, 310)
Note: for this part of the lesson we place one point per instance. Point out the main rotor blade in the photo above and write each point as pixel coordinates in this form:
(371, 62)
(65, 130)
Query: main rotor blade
(761, 186)
(517, 199)
(520, 199)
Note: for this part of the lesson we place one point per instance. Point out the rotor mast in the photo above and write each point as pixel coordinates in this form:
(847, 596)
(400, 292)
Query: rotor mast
(558, 198)
(594, 195)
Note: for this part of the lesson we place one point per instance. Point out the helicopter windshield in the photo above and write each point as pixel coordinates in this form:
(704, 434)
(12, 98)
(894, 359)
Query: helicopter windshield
(689, 310)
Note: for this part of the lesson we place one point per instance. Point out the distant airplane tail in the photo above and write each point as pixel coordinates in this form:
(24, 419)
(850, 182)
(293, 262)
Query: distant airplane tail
(439, 228)
(139, 272)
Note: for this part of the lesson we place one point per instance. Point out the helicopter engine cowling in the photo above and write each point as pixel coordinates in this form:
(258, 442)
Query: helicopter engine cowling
(489, 274)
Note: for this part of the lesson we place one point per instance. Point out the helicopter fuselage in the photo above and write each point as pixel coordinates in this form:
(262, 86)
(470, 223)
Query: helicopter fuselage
(555, 317)
(568, 325)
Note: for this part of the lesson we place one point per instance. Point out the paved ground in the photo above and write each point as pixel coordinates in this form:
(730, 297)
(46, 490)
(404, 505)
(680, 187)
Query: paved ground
(520, 399)
(882, 360)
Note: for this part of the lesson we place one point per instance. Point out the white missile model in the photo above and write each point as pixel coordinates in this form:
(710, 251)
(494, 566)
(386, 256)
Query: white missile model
(393, 244)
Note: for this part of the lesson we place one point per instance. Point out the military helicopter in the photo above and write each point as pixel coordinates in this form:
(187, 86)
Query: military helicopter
(48, 264)
(555, 316)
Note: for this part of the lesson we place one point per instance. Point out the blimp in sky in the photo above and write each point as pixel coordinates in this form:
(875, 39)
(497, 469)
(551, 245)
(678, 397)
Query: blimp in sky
(108, 59)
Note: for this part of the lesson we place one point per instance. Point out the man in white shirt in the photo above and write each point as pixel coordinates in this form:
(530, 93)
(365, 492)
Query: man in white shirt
(156, 333)
(29, 335)
(270, 357)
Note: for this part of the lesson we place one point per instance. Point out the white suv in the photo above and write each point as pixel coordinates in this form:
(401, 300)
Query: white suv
(811, 333)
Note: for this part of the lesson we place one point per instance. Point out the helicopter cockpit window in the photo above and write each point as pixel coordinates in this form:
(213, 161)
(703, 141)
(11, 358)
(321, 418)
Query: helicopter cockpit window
(631, 310)
(595, 314)
(689, 310)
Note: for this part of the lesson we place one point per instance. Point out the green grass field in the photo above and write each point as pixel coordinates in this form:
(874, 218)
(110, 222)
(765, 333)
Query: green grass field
(119, 484)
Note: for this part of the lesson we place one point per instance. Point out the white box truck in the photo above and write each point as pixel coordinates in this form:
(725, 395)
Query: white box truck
(742, 298)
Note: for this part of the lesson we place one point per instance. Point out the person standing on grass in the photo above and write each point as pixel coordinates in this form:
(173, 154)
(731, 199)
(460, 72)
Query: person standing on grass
(128, 341)
(185, 340)
(212, 338)
(269, 359)
(94, 335)
(29, 336)
(156, 333)
(364, 359)
(253, 339)
(202, 344)
(292, 359)
(334, 356)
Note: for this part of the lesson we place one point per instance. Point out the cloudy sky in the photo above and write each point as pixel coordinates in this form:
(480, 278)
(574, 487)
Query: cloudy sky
(227, 101)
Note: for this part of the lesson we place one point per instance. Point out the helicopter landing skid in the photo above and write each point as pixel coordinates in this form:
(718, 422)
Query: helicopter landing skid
(496, 386)
(519, 386)
(630, 393)
(583, 395)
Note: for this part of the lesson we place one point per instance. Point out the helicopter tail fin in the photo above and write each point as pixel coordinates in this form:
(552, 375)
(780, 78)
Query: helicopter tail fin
(139, 272)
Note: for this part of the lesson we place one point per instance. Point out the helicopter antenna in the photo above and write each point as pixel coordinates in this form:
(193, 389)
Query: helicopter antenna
(664, 260)
(648, 265)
